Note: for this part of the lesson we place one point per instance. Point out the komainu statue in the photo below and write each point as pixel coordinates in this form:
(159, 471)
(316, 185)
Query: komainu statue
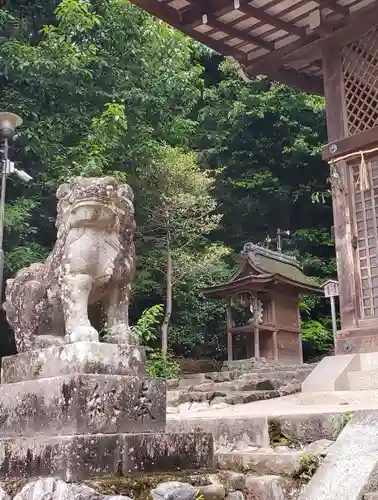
(93, 261)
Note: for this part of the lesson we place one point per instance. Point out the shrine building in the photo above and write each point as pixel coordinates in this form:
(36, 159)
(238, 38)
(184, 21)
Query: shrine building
(326, 47)
(263, 316)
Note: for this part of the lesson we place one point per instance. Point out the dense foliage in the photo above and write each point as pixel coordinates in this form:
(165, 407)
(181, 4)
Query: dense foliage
(104, 88)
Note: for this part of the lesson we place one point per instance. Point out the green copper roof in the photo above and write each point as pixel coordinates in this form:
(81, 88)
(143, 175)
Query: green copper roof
(269, 262)
(261, 266)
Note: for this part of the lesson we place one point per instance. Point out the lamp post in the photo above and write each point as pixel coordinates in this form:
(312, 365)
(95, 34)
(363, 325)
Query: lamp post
(8, 124)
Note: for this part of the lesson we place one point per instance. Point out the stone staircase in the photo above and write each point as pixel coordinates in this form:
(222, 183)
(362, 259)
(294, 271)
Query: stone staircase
(270, 440)
(349, 372)
(363, 380)
(240, 385)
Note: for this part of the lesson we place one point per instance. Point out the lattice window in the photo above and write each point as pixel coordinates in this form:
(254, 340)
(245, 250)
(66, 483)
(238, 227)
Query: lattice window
(360, 71)
(366, 206)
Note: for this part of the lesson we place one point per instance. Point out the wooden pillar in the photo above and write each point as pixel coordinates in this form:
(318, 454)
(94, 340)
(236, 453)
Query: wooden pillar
(229, 333)
(274, 311)
(337, 129)
(275, 345)
(256, 333)
(275, 333)
(257, 341)
(300, 347)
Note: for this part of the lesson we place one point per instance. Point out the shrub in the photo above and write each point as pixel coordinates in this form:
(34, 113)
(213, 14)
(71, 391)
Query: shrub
(160, 366)
(308, 465)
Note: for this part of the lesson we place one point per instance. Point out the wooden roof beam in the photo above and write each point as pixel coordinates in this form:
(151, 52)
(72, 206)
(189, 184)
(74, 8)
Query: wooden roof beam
(277, 22)
(193, 14)
(269, 62)
(311, 48)
(240, 34)
(301, 81)
(173, 17)
(334, 6)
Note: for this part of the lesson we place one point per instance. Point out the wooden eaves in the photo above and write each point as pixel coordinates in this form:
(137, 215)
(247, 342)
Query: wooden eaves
(283, 39)
(257, 283)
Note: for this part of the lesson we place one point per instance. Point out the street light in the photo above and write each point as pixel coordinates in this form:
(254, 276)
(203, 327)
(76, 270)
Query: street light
(8, 124)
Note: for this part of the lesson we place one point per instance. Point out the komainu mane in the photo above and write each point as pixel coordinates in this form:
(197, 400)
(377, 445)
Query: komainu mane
(93, 260)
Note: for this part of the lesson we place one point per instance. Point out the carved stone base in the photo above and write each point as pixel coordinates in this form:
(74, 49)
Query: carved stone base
(76, 458)
(81, 404)
(85, 412)
(80, 357)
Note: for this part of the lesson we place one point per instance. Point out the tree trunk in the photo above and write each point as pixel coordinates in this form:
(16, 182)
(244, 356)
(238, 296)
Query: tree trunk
(168, 303)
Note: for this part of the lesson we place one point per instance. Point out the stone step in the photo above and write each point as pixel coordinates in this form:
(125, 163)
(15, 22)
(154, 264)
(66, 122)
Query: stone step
(244, 397)
(281, 376)
(269, 487)
(277, 374)
(176, 398)
(369, 360)
(77, 458)
(74, 404)
(252, 365)
(234, 433)
(225, 376)
(280, 460)
(302, 367)
(342, 398)
(363, 380)
(241, 431)
(260, 462)
(192, 380)
(245, 382)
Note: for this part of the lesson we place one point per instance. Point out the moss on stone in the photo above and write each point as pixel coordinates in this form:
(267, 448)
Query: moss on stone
(340, 421)
(276, 437)
(308, 465)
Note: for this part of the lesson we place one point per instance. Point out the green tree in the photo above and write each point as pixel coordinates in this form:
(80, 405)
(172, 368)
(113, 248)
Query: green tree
(100, 86)
(268, 138)
(264, 140)
(179, 212)
(105, 88)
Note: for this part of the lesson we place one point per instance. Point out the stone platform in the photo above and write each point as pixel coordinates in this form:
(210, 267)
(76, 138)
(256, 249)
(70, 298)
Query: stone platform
(79, 457)
(81, 410)
(79, 404)
(68, 359)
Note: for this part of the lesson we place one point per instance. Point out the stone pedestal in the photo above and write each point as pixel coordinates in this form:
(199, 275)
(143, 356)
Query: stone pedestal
(86, 409)
(77, 358)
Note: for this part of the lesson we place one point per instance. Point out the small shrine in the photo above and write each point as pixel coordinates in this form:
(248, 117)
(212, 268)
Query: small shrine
(263, 317)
